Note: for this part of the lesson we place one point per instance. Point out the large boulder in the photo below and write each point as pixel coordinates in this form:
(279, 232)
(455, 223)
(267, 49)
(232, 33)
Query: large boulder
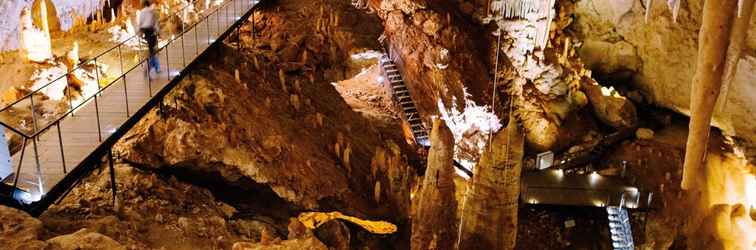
(84, 240)
(19, 230)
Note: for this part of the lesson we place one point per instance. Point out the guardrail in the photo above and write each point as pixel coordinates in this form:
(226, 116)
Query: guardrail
(233, 12)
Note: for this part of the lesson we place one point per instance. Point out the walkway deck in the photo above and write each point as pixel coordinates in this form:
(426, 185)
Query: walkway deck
(93, 122)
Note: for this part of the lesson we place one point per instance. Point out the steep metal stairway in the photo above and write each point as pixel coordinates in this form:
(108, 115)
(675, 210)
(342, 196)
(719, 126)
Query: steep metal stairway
(619, 227)
(402, 97)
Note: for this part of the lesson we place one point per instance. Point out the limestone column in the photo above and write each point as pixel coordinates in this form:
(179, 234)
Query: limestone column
(713, 41)
(489, 212)
(435, 222)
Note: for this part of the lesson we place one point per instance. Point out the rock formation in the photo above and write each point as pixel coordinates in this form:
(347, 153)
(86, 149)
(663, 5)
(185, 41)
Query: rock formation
(489, 211)
(659, 57)
(435, 222)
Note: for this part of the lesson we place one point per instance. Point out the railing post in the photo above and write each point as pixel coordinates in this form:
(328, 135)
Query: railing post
(209, 33)
(112, 177)
(97, 115)
(97, 109)
(123, 76)
(60, 142)
(149, 79)
(39, 169)
(167, 61)
(20, 162)
(183, 51)
(196, 41)
(67, 92)
(34, 114)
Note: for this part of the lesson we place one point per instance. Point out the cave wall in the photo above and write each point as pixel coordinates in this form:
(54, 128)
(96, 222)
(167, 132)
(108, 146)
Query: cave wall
(660, 57)
(10, 12)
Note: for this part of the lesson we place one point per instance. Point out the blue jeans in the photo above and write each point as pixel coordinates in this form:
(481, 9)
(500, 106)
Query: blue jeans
(152, 42)
(154, 63)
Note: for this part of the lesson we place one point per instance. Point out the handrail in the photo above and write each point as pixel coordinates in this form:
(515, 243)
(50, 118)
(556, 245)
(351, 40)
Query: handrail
(37, 131)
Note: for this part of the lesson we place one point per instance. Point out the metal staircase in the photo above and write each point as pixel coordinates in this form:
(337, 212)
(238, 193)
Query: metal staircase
(619, 228)
(402, 97)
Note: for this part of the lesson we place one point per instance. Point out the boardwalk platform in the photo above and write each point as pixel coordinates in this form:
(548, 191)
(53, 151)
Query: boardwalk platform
(65, 145)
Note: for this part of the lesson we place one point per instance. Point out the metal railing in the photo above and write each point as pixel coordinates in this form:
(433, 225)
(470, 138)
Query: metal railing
(217, 22)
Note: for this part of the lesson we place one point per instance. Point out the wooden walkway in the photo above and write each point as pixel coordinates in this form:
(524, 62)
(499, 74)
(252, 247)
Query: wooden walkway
(80, 134)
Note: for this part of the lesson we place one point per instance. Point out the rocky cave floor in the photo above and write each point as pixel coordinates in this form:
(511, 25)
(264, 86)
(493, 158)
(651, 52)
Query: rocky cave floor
(295, 122)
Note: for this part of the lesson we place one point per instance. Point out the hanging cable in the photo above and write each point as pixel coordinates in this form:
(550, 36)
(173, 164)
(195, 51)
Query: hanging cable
(495, 81)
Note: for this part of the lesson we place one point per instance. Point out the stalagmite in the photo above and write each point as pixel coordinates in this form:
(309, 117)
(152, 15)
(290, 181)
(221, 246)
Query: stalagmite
(674, 6)
(377, 192)
(489, 212)
(35, 43)
(713, 41)
(435, 216)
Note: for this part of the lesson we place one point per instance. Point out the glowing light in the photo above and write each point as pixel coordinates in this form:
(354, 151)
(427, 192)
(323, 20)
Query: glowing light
(559, 173)
(598, 203)
(379, 79)
(594, 178)
(533, 201)
(750, 181)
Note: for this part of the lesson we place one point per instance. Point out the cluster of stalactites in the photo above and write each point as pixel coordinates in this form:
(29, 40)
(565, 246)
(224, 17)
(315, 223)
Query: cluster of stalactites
(533, 10)
(520, 8)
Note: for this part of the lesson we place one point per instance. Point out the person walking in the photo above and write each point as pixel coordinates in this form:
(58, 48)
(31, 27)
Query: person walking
(149, 29)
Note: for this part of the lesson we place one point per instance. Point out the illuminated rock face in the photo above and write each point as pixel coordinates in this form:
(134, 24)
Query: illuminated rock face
(65, 11)
(489, 211)
(34, 42)
(435, 222)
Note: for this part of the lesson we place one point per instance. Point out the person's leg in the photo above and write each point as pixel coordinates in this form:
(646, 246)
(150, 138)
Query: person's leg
(154, 59)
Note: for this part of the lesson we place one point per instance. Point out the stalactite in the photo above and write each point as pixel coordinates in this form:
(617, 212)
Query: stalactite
(734, 51)
(714, 39)
(489, 212)
(435, 215)
(648, 10)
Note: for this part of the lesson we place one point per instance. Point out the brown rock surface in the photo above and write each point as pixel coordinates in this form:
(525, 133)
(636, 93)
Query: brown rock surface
(19, 230)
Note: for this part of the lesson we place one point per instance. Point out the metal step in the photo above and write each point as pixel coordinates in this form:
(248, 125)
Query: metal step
(619, 227)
